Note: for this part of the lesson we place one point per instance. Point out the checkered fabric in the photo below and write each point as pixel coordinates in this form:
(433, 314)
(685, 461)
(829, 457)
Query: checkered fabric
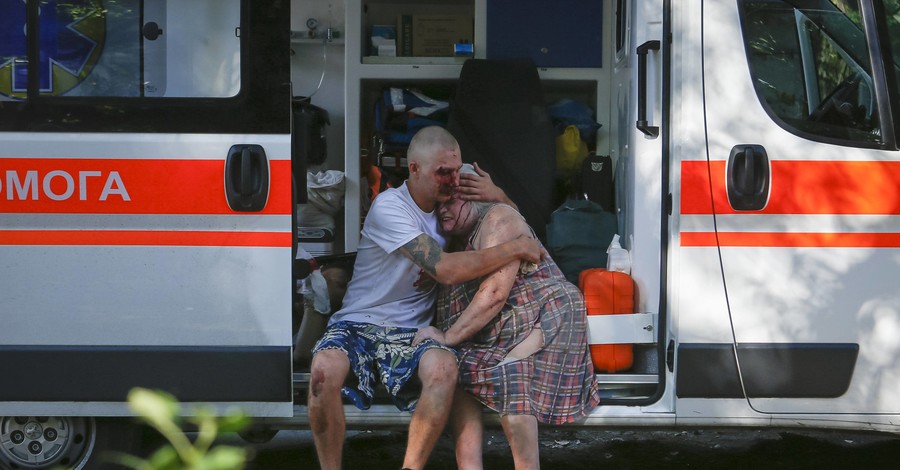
(556, 384)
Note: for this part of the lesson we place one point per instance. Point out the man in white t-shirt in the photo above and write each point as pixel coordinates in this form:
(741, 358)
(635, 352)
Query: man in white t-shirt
(390, 297)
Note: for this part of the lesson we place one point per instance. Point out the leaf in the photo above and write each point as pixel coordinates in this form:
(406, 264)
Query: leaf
(235, 420)
(123, 459)
(162, 411)
(157, 407)
(223, 458)
(166, 458)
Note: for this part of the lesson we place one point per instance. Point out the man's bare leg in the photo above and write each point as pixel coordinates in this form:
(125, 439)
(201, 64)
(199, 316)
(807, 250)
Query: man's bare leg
(326, 411)
(468, 429)
(437, 371)
(522, 433)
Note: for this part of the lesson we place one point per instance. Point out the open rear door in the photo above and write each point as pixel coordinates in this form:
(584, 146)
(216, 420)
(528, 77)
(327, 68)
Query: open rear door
(145, 206)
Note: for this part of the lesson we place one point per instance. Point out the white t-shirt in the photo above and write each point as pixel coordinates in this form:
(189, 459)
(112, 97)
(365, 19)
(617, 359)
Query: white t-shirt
(381, 291)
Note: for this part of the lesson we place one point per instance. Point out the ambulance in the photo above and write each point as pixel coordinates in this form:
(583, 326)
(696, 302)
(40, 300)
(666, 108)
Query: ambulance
(148, 210)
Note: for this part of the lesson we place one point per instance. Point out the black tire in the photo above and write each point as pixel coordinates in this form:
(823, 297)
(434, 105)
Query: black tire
(256, 435)
(46, 442)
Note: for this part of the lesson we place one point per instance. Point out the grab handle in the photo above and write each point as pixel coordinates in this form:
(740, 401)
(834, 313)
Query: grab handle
(747, 177)
(246, 178)
(642, 124)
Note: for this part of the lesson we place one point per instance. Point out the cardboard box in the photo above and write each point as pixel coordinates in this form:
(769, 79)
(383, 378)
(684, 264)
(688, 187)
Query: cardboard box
(436, 35)
(383, 40)
(384, 47)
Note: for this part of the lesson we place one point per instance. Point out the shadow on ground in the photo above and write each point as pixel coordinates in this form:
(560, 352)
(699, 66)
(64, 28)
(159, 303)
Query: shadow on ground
(614, 449)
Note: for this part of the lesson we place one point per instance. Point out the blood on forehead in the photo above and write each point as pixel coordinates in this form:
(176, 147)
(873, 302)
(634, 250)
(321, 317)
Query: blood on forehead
(446, 171)
(448, 165)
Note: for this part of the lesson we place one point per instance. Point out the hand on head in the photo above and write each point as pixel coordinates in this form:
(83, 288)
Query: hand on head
(477, 186)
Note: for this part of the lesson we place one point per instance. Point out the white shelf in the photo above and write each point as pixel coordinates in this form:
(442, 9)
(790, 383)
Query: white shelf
(316, 41)
(382, 60)
(405, 73)
(570, 73)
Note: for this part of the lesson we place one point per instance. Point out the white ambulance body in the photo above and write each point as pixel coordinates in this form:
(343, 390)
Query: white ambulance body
(146, 227)
(147, 217)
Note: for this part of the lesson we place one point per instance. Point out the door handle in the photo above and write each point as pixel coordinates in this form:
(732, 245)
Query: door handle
(747, 177)
(246, 178)
(642, 124)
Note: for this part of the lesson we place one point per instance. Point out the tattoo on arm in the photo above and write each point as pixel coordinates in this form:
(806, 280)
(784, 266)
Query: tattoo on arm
(425, 252)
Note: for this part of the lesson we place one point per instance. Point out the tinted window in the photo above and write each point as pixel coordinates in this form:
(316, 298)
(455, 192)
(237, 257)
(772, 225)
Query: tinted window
(124, 48)
(12, 47)
(145, 65)
(621, 26)
(891, 16)
(810, 66)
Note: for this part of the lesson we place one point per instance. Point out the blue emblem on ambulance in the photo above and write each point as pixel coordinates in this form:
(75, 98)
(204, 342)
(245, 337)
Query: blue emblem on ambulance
(71, 37)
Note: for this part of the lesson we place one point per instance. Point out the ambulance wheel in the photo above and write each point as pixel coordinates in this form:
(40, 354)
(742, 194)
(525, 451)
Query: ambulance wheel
(258, 435)
(46, 442)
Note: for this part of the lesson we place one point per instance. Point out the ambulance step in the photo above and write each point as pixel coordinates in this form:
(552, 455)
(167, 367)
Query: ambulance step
(607, 381)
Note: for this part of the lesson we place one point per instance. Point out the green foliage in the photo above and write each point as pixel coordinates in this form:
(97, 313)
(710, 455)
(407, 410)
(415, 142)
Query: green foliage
(163, 412)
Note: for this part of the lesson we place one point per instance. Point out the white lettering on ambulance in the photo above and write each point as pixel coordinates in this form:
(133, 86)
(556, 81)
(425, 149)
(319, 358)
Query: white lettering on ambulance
(23, 187)
(48, 189)
(82, 183)
(108, 189)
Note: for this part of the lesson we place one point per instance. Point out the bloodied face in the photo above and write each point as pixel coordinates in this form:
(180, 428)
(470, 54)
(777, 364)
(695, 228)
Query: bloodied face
(445, 173)
(434, 181)
(456, 216)
(434, 162)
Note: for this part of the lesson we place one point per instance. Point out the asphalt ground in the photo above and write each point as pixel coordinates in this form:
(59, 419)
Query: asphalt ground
(562, 448)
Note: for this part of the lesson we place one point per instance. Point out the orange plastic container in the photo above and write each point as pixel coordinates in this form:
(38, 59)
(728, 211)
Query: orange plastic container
(607, 292)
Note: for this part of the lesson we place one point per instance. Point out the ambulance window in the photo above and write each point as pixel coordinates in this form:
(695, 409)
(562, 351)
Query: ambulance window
(124, 48)
(11, 60)
(144, 65)
(892, 22)
(810, 66)
(621, 28)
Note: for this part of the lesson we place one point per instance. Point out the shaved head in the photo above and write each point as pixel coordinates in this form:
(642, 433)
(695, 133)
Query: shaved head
(429, 142)
(434, 160)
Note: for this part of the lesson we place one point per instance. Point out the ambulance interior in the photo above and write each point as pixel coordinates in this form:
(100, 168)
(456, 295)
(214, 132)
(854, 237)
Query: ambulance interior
(362, 154)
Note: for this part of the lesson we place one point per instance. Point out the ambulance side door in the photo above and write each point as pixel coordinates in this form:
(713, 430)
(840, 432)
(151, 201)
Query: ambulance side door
(145, 204)
(805, 179)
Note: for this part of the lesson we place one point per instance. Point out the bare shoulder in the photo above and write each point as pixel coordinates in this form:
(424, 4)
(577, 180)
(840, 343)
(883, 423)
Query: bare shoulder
(501, 224)
(506, 216)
